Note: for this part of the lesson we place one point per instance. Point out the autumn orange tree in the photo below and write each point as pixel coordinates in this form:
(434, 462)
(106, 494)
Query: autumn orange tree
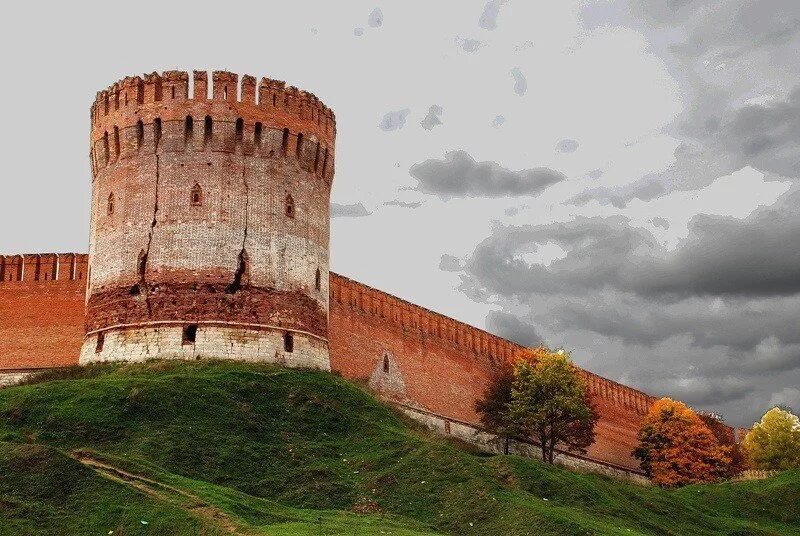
(677, 448)
(727, 438)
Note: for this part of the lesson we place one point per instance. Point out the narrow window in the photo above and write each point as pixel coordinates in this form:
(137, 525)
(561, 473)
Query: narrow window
(274, 100)
(173, 92)
(318, 280)
(188, 130)
(239, 130)
(196, 196)
(101, 339)
(189, 334)
(258, 134)
(208, 128)
(325, 162)
(299, 149)
(288, 342)
(316, 158)
(105, 146)
(289, 206)
(285, 142)
(157, 131)
(126, 98)
(110, 207)
(116, 142)
(225, 93)
(139, 134)
(386, 364)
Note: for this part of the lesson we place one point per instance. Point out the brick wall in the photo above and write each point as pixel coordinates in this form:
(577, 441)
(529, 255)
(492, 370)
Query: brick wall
(410, 354)
(41, 310)
(428, 361)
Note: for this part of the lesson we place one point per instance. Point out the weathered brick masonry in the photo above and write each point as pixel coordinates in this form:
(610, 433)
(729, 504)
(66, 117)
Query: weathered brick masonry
(209, 239)
(210, 224)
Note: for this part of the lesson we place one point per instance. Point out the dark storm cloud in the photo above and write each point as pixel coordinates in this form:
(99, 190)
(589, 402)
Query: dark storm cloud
(510, 327)
(459, 175)
(433, 118)
(356, 210)
(722, 256)
(394, 120)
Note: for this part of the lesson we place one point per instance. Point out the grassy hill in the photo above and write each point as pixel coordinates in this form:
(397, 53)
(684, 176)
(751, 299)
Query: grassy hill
(233, 448)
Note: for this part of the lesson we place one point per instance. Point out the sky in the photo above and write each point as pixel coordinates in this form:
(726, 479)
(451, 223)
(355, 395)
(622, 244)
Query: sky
(617, 178)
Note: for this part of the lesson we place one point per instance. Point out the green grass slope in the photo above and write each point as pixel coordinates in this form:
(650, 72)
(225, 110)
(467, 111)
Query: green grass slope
(233, 448)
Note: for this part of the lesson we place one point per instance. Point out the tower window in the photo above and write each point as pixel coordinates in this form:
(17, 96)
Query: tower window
(139, 134)
(110, 207)
(188, 129)
(101, 339)
(318, 280)
(289, 206)
(157, 131)
(189, 334)
(299, 148)
(209, 126)
(386, 364)
(285, 141)
(288, 342)
(196, 197)
(258, 134)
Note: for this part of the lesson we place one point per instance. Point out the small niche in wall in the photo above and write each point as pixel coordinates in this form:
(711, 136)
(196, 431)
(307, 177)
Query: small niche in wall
(189, 334)
(288, 342)
(101, 339)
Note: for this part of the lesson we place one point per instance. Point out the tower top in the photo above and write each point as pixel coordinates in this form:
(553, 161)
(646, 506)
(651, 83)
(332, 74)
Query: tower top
(167, 96)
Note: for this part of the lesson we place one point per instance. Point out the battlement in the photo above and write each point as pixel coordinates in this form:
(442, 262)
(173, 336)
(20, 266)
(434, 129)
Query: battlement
(43, 267)
(409, 317)
(162, 112)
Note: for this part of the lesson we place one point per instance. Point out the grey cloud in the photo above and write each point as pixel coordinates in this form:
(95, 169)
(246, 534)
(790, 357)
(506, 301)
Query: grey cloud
(375, 18)
(510, 327)
(459, 175)
(358, 32)
(595, 174)
(488, 18)
(403, 204)
(722, 55)
(520, 82)
(356, 210)
(498, 121)
(567, 146)
(470, 45)
(394, 120)
(658, 221)
(450, 263)
(433, 118)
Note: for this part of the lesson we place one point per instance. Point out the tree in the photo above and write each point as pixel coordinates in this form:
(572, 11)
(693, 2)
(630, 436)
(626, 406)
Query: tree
(549, 401)
(493, 407)
(774, 442)
(676, 448)
(726, 437)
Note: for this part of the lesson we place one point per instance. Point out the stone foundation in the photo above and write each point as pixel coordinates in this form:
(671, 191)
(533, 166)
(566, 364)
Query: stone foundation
(490, 443)
(211, 341)
(14, 377)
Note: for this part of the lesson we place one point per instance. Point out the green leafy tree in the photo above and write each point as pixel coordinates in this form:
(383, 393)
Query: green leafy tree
(550, 403)
(774, 442)
(493, 407)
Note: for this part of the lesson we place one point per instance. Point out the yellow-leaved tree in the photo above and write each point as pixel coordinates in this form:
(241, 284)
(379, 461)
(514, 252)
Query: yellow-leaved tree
(774, 442)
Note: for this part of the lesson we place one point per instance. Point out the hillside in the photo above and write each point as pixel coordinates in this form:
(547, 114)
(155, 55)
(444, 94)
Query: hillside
(234, 448)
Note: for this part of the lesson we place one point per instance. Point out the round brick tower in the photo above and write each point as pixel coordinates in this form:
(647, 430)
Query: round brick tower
(210, 221)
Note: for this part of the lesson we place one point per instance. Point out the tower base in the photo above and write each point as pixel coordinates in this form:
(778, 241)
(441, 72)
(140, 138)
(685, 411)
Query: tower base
(206, 341)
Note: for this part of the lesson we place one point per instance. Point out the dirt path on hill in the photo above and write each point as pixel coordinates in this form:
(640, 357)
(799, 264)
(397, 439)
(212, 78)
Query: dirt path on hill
(165, 493)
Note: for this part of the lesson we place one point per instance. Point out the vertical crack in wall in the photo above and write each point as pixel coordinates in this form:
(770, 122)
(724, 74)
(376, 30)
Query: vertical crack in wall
(241, 267)
(143, 262)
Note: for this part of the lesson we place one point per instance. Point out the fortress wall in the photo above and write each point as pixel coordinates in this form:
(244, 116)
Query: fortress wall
(428, 361)
(41, 310)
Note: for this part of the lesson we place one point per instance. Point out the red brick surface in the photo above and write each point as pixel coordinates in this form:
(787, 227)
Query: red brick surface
(41, 319)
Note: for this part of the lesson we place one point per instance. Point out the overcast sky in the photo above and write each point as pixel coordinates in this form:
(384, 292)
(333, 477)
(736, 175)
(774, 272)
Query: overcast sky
(617, 178)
